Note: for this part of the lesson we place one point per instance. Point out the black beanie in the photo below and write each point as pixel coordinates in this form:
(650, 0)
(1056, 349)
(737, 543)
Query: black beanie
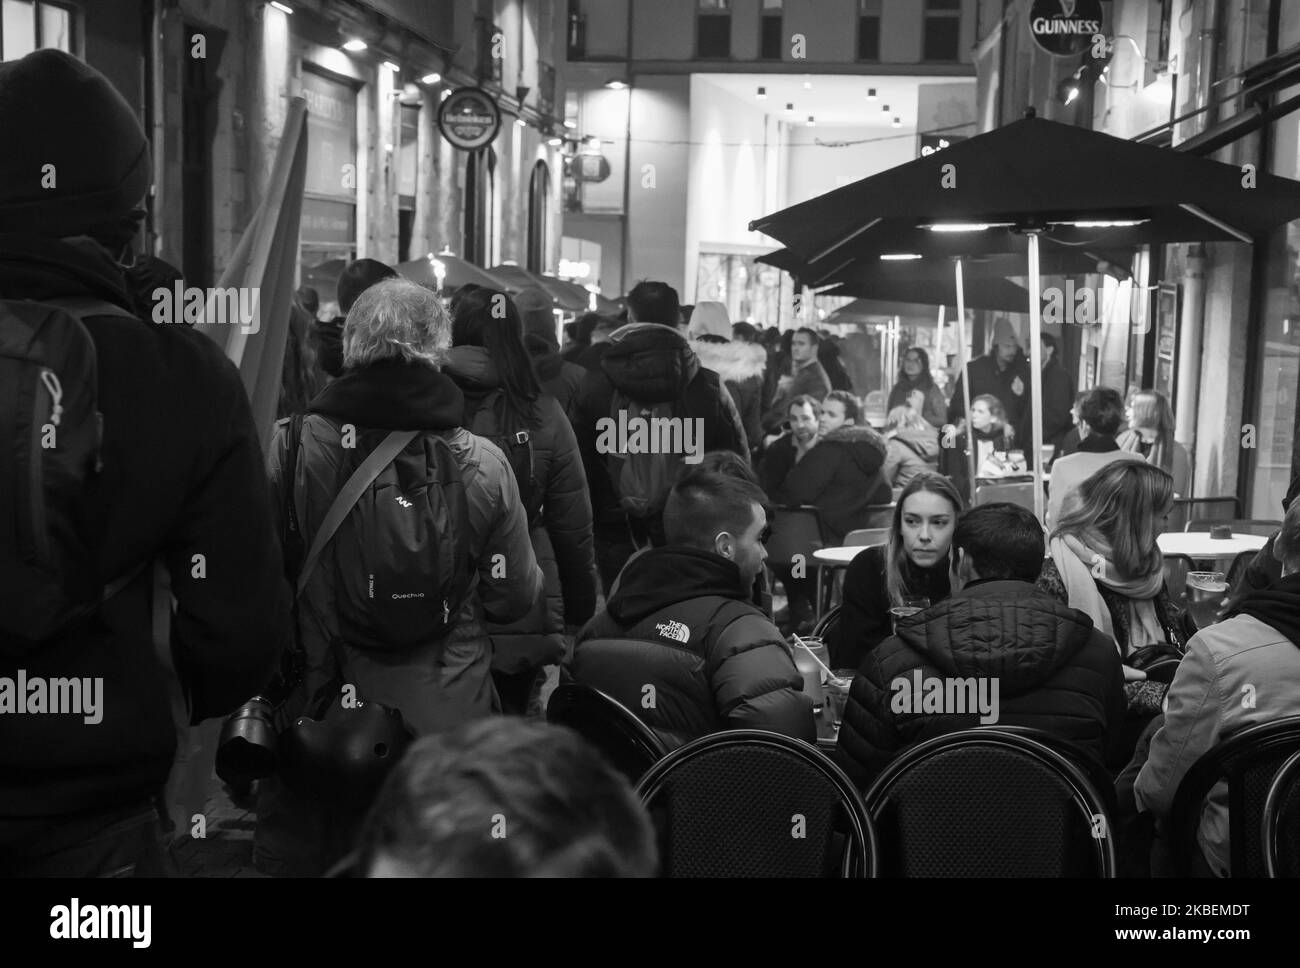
(56, 110)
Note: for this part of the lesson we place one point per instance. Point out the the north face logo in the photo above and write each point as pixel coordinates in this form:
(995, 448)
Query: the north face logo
(403, 501)
(675, 631)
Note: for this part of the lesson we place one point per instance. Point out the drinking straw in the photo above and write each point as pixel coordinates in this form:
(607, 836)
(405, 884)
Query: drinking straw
(809, 650)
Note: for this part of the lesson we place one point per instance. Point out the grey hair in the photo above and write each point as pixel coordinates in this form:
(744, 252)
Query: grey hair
(396, 319)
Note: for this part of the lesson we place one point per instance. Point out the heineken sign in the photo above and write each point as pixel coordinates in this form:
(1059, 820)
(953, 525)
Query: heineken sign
(1065, 27)
(469, 118)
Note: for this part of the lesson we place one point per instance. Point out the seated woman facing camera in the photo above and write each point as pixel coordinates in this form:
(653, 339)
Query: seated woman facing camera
(913, 565)
(506, 797)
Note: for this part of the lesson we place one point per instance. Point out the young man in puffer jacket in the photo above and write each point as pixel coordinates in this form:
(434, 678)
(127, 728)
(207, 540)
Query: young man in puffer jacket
(681, 629)
(1004, 652)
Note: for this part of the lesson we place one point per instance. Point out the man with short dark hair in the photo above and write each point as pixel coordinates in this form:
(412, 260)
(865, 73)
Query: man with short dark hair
(654, 302)
(997, 652)
(1102, 412)
(567, 812)
(1002, 372)
(807, 378)
(1254, 654)
(357, 276)
(680, 642)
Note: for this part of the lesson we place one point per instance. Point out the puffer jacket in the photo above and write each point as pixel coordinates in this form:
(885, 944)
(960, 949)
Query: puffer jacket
(841, 475)
(741, 367)
(558, 377)
(561, 537)
(911, 452)
(1053, 671)
(650, 364)
(447, 682)
(680, 622)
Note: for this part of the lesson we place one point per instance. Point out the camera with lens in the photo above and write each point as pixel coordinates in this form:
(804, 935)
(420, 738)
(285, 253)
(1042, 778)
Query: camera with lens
(248, 749)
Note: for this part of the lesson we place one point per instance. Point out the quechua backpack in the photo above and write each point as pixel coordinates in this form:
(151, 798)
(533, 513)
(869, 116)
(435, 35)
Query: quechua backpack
(399, 527)
(51, 433)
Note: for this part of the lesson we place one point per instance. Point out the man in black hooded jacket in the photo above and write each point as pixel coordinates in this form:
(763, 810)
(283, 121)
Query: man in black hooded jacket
(647, 364)
(680, 641)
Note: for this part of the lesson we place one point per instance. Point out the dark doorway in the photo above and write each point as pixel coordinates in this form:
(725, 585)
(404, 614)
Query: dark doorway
(199, 92)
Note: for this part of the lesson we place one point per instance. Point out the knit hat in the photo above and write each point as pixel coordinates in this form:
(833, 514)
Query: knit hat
(538, 312)
(74, 159)
(1004, 331)
(710, 319)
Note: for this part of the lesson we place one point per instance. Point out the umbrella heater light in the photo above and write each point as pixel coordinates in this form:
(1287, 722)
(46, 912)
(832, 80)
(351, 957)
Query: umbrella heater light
(899, 256)
(967, 226)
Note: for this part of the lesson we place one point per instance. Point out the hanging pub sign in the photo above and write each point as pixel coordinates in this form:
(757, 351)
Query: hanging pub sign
(469, 118)
(588, 167)
(1064, 27)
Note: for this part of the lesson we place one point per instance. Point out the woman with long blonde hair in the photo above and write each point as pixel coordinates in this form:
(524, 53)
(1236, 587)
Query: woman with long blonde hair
(1151, 433)
(914, 562)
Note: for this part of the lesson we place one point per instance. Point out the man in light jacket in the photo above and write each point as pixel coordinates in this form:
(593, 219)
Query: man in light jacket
(1241, 672)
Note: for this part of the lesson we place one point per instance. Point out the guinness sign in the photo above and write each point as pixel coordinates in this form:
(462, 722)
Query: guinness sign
(469, 118)
(1065, 27)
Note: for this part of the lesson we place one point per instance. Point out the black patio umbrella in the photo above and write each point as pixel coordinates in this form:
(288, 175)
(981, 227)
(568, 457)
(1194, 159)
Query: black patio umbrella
(999, 295)
(604, 305)
(519, 278)
(455, 272)
(1032, 178)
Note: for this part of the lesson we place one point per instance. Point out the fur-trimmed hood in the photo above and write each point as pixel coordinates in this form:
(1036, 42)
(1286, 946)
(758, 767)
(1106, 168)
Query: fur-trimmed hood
(733, 361)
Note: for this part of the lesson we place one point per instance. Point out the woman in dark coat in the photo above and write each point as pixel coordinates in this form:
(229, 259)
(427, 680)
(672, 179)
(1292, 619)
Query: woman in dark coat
(993, 436)
(491, 365)
(913, 563)
(914, 375)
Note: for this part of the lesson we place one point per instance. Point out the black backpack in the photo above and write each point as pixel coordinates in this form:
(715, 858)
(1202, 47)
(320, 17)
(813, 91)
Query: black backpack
(51, 433)
(401, 536)
(491, 421)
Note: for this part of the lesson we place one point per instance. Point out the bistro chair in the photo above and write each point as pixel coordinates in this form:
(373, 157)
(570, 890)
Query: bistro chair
(1248, 761)
(1280, 825)
(1218, 509)
(991, 802)
(797, 530)
(1238, 567)
(1256, 526)
(866, 537)
(1176, 568)
(828, 622)
(829, 592)
(1021, 494)
(630, 745)
(749, 803)
(878, 516)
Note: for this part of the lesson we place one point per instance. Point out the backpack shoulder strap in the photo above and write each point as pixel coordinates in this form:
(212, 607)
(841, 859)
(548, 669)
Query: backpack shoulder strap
(356, 485)
(83, 306)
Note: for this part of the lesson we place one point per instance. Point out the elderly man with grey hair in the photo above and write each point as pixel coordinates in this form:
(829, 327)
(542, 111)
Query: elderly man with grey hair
(395, 340)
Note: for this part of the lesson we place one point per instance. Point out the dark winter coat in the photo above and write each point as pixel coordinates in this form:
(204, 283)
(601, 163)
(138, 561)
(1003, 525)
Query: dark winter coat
(1058, 398)
(955, 463)
(985, 377)
(558, 377)
(680, 622)
(183, 475)
(864, 621)
(1053, 670)
(935, 408)
(841, 476)
(561, 538)
(741, 367)
(650, 364)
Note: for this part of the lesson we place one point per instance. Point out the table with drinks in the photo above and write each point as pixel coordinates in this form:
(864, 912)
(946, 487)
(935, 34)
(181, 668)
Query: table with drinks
(1206, 589)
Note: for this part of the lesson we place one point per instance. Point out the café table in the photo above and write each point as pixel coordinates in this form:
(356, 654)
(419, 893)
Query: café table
(1199, 546)
(832, 559)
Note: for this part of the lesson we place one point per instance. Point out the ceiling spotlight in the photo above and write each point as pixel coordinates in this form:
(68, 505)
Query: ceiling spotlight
(884, 109)
(521, 122)
(570, 124)
(390, 66)
(433, 78)
(282, 7)
(446, 93)
(807, 84)
(762, 94)
(789, 105)
(897, 123)
(871, 94)
(812, 122)
(616, 85)
(354, 44)
(555, 142)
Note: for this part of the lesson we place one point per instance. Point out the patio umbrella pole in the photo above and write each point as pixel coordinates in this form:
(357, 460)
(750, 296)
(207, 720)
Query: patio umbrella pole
(965, 378)
(1036, 370)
